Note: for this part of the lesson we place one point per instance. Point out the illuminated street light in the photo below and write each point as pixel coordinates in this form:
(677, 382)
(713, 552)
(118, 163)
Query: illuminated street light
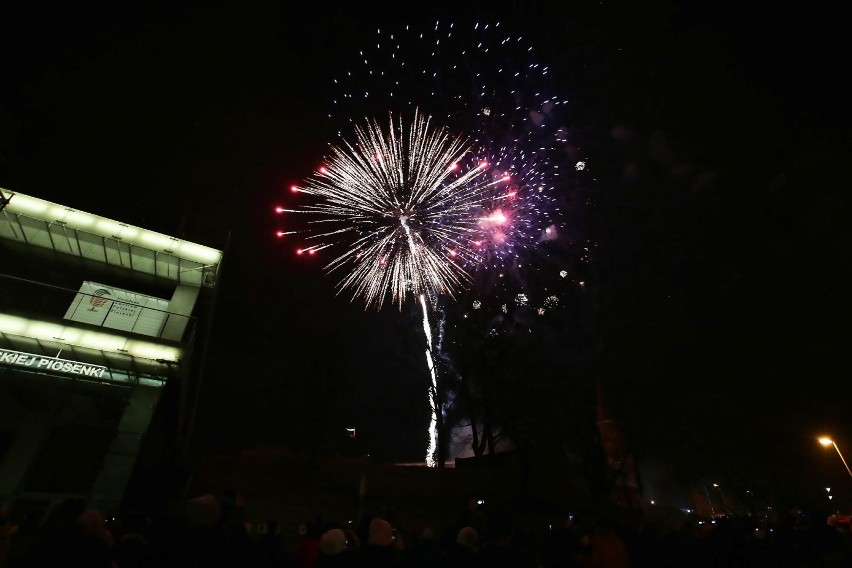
(826, 441)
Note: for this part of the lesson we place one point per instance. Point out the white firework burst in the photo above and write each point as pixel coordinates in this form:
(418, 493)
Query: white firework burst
(407, 215)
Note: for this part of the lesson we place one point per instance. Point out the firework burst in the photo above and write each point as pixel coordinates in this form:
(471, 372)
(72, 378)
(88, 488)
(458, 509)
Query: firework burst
(407, 215)
(482, 80)
(415, 211)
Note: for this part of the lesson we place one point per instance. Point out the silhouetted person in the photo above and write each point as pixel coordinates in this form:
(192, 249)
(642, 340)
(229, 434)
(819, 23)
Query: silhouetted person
(134, 551)
(463, 552)
(384, 546)
(198, 542)
(270, 549)
(606, 549)
(426, 550)
(74, 535)
(308, 550)
(500, 548)
(334, 550)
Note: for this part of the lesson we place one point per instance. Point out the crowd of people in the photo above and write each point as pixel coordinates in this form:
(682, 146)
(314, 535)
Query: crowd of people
(212, 531)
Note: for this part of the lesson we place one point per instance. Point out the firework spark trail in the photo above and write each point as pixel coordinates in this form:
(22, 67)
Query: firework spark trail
(432, 449)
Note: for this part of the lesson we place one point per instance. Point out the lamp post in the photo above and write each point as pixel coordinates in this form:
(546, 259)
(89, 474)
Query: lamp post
(826, 441)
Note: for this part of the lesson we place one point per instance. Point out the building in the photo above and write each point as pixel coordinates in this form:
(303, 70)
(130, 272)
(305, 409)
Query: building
(102, 330)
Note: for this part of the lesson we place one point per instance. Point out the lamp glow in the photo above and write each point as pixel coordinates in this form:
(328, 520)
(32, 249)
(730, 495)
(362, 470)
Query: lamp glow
(826, 441)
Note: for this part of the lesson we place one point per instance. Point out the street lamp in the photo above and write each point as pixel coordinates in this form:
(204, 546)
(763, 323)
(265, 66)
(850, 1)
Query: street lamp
(826, 441)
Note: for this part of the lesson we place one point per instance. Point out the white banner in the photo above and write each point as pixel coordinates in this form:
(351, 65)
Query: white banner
(106, 306)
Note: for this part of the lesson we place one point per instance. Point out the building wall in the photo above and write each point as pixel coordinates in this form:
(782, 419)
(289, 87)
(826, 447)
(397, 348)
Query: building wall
(59, 431)
(66, 435)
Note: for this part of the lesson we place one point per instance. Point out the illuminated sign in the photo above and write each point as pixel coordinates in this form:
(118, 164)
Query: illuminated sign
(106, 306)
(40, 362)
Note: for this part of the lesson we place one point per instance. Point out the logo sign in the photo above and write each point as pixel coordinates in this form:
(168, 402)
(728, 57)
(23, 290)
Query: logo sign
(97, 299)
(40, 362)
(107, 306)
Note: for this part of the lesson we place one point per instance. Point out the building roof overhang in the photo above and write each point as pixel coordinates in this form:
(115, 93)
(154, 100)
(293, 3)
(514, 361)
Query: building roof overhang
(42, 223)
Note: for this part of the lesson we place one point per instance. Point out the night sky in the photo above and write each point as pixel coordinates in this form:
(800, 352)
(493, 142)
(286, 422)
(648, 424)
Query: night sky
(720, 144)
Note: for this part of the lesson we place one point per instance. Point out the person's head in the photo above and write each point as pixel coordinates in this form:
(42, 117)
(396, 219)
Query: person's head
(468, 538)
(333, 542)
(93, 524)
(380, 533)
(203, 511)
